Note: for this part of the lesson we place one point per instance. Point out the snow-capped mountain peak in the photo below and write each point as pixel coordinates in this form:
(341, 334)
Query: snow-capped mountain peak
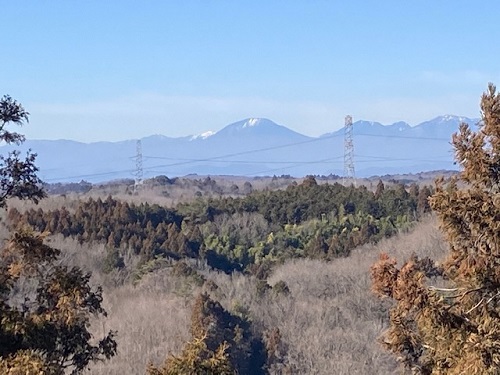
(447, 118)
(204, 135)
(251, 122)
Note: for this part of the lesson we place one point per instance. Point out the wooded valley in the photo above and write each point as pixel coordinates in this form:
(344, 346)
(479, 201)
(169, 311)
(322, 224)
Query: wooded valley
(219, 272)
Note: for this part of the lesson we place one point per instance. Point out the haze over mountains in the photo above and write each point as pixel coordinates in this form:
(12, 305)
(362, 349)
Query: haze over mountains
(255, 147)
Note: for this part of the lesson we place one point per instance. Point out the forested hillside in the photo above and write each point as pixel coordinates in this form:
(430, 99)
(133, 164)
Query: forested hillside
(249, 238)
(309, 316)
(243, 234)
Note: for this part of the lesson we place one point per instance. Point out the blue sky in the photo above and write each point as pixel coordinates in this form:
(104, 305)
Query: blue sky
(113, 70)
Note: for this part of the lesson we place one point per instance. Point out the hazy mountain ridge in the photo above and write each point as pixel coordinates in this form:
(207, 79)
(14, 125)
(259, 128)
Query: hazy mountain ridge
(255, 147)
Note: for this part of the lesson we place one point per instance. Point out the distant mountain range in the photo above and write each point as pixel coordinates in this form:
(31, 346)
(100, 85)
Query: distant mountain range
(254, 147)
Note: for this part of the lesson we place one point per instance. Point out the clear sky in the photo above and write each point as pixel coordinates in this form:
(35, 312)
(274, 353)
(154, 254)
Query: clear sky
(114, 70)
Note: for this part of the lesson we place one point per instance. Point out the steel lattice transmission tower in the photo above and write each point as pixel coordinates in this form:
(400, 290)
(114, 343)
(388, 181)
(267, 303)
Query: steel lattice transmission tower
(138, 166)
(349, 176)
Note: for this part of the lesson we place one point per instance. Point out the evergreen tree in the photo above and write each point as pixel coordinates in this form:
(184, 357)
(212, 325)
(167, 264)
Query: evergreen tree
(380, 189)
(454, 328)
(423, 206)
(45, 308)
(222, 343)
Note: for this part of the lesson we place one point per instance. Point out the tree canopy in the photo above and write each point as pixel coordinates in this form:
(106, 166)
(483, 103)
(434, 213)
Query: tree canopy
(45, 307)
(446, 316)
(18, 176)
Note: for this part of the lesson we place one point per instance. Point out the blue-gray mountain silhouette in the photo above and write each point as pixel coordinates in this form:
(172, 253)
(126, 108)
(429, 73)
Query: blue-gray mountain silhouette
(255, 147)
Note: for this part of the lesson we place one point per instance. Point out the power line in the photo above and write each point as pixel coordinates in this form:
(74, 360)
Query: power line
(185, 161)
(404, 137)
(388, 158)
(295, 164)
(188, 161)
(246, 161)
(89, 175)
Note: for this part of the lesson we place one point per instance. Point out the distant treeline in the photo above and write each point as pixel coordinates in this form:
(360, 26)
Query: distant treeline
(245, 234)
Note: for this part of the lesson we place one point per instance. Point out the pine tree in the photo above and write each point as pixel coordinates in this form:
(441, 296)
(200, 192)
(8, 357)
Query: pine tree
(454, 328)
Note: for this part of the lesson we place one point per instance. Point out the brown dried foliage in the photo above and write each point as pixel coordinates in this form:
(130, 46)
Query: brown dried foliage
(196, 359)
(207, 352)
(45, 311)
(454, 329)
